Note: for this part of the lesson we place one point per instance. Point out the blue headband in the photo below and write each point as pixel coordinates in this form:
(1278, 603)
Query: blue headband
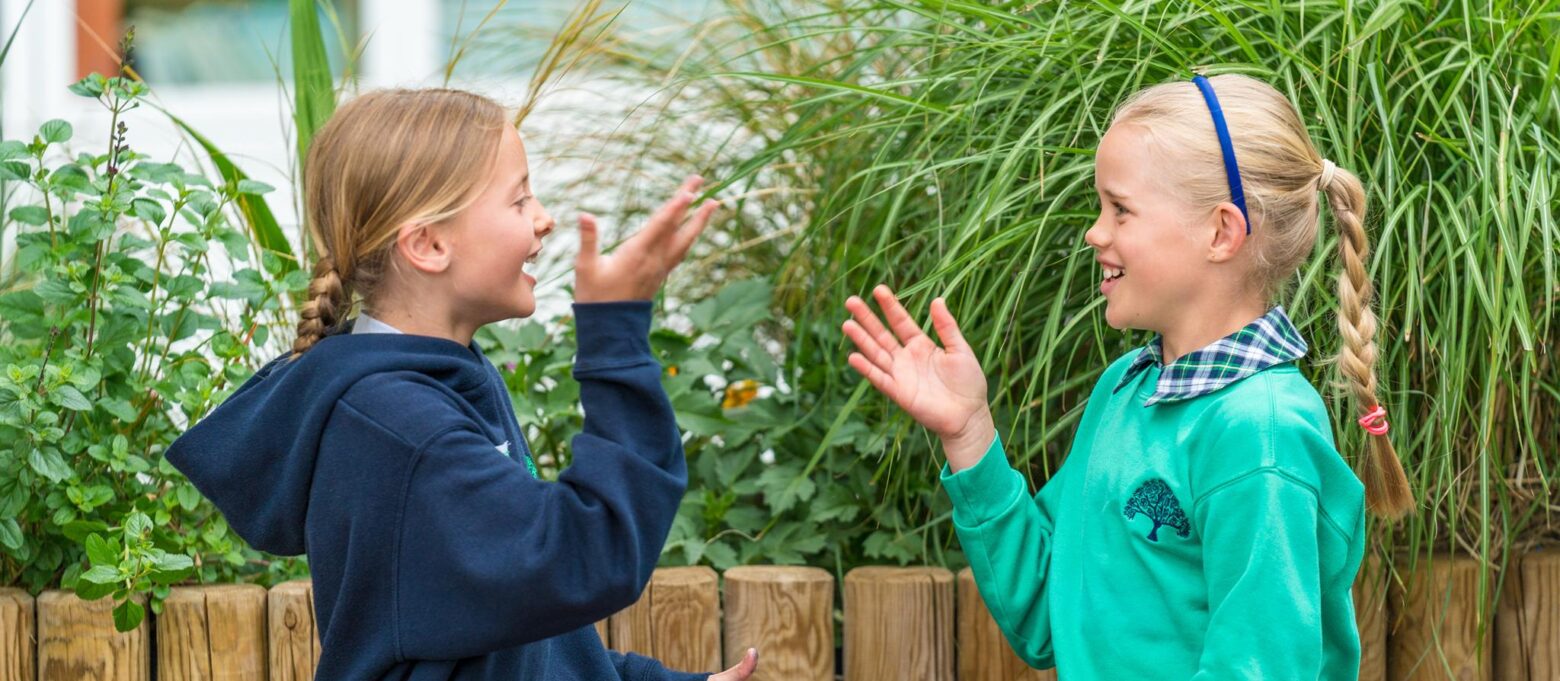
(1231, 169)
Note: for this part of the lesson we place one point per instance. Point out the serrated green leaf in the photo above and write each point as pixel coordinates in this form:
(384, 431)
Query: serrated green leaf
(47, 462)
(30, 215)
(69, 397)
(100, 550)
(128, 615)
(10, 533)
(106, 573)
(254, 187)
(55, 131)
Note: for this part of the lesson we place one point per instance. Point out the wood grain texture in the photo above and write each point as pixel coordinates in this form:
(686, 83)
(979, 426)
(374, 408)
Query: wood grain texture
(292, 637)
(18, 636)
(983, 653)
(1527, 626)
(676, 620)
(1436, 629)
(899, 624)
(77, 641)
(213, 633)
(787, 613)
(1370, 615)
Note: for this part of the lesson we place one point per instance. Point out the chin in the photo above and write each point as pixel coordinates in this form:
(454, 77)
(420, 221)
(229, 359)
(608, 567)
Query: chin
(1116, 320)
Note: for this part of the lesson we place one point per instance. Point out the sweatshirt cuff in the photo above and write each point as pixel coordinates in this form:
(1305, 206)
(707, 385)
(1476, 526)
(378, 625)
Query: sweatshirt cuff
(983, 491)
(612, 334)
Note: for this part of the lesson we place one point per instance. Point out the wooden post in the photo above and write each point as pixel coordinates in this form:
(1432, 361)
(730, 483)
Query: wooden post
(1527, 625)
(212, 632)
(984, 654)
(787, 613)
(1436, 623)
(676, 621)
(77, 640)
(18, 643)
(1370, 614)
(899, 624)
(604, 633)
(293, 639)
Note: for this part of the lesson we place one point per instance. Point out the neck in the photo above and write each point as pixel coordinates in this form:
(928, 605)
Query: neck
(1195, 331)
(422, 315)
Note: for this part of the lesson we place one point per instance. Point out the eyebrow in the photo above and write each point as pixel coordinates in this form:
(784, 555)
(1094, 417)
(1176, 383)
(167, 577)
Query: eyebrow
(1110, 193)
(521, 184)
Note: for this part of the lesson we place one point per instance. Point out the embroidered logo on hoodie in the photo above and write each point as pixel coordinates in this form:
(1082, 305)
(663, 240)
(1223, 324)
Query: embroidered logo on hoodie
(1155, 500)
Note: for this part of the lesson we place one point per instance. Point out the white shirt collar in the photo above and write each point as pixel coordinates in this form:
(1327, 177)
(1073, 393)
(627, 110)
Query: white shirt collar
(367, 324)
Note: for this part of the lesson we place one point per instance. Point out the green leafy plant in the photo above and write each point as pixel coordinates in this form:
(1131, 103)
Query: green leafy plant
(113, 340)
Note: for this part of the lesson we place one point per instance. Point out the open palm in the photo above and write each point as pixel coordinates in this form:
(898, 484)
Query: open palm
(942, 388)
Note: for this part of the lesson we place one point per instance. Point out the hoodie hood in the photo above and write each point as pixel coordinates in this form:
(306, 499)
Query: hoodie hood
(254, 456)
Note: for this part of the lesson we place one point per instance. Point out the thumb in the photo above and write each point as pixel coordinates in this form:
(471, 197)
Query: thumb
(589, 238)
(745, 668)
(948, 328)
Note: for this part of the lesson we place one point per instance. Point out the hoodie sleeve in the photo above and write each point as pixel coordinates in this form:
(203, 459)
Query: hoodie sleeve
(631, 667)
(491, 558)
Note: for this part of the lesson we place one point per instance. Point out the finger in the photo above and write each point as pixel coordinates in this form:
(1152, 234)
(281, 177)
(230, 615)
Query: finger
(879, 379)
(589, 241)
(690, 233)
(899, 320)
(869, 321)
(670, 215)
(948, 328)
(868, 347)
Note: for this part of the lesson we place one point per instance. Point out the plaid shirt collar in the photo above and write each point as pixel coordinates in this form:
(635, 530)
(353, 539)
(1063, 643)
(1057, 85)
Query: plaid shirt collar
(1268, 341)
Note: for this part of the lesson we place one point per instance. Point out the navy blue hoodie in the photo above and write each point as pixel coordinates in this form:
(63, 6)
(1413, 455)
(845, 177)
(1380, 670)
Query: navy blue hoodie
(396, 463)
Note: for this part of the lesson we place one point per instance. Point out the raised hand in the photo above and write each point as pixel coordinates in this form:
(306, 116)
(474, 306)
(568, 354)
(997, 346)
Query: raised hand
(742, 670)
(942, 388)
(636, 270)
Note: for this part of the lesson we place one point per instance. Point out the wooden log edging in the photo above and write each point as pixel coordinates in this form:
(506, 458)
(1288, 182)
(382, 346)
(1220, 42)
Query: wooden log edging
(1527, 621)
(77, 640)
(785, 612)
(1436, 632)
(676, 621)
(18, 640)
(213, 632)
(924, 623)
(983, 652)
(899, 624)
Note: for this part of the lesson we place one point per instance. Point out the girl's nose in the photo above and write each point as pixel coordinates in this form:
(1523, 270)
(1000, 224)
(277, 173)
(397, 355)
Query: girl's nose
(1097, 235)
(544, 224)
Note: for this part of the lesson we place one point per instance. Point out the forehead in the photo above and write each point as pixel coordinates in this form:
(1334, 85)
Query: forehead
(510, 165)
(1123, 160)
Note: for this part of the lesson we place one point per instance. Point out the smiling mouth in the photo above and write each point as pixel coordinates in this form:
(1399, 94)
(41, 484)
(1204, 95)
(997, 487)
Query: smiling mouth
(1114, 273)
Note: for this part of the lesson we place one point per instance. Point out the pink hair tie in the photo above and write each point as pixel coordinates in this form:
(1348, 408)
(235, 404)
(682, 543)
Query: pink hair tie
(1375, 422)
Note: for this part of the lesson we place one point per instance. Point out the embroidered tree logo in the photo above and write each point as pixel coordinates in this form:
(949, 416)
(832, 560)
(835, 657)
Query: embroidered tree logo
(1155, 500)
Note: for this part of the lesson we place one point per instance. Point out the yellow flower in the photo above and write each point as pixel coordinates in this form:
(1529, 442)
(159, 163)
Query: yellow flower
(671, 370)
(739, 394)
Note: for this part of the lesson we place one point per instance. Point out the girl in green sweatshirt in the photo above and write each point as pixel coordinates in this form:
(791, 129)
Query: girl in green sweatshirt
(1203, 525)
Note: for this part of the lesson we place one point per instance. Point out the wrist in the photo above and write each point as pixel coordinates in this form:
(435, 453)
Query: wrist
(965, 447)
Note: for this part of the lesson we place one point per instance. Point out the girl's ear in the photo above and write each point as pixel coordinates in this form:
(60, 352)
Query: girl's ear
(1229, 233)
(424, 248)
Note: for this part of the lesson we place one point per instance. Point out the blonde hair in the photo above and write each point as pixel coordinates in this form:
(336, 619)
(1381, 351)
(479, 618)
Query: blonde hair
(384, 159)
(1281, 173)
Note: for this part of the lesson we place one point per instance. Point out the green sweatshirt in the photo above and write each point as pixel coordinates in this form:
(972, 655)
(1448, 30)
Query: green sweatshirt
(1212, 538)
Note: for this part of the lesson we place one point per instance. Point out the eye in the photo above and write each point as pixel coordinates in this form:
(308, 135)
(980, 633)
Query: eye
(1120, 209)
(520, 202)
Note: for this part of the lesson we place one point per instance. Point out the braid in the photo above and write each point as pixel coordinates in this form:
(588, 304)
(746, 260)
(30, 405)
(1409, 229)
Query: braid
(323, 310)
(1387, 491)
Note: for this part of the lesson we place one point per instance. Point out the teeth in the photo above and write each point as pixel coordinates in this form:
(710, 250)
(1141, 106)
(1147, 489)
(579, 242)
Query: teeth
(1112, 272)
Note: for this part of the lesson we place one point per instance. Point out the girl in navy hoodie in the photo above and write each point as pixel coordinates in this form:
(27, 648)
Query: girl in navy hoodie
(385, 445)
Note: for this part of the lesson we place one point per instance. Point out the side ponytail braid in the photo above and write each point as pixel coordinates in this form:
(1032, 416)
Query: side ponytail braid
(1387, 492)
